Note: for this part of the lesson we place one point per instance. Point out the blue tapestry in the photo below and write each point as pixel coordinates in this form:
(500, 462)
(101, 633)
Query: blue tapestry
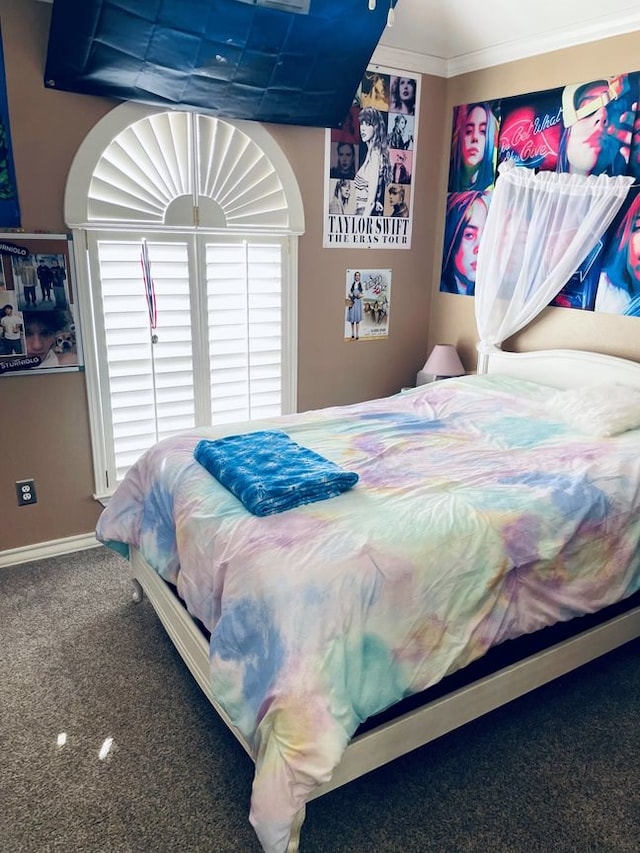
(244, 59)
(9, 207)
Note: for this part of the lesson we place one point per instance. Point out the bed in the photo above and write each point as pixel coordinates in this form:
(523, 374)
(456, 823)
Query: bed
(493, 514)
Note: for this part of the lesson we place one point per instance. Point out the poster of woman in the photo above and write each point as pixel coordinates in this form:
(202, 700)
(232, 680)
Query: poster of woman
(367, 304)
(619, 282)
(378, 164)
(597, 125)
(474, 145)
(464, 223)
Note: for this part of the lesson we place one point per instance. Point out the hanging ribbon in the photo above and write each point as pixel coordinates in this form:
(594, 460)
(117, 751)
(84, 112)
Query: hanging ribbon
(149, 287)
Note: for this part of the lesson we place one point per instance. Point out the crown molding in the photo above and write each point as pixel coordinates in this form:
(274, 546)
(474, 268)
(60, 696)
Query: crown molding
(560, 39)
(407, 60)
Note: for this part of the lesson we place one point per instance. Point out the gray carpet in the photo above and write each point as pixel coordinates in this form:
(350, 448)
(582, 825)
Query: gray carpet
(556, 771)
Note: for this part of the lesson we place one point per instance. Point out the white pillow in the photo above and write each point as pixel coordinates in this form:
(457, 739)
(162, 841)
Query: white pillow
(600, 410)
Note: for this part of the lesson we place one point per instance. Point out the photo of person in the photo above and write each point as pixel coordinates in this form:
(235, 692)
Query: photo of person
(597, 126)
(11, 328)
(343, 160)
(403, 95)
(340, 202)
(400, 131)
(474, 142)
(465, 219)
(40, 280)
(397, 203)
(59, 277)
(401, 166)
(354, 304)
(50, 336)
(378, 313)
(619, 282)
(375, 169)
(374, 91)
(43, 272)
(24, 274)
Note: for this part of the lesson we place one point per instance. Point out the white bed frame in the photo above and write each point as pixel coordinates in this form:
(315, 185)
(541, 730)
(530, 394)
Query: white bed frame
(558, 368)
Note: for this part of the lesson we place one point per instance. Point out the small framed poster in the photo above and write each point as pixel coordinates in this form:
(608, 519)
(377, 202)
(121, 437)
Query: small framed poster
(39, 331)
(367, 304)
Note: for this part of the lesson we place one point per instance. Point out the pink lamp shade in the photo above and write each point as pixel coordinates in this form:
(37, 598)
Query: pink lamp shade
(443, 362)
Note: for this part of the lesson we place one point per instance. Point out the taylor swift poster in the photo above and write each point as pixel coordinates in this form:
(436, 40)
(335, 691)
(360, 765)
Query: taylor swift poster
(369, 165)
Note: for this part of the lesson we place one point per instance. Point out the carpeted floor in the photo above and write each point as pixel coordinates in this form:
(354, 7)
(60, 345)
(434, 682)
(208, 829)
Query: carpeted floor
(555, 772)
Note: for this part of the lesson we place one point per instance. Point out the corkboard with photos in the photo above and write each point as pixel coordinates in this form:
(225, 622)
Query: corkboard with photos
(39, 332)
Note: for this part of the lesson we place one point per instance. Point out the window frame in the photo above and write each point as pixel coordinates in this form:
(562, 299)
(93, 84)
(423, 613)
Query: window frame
(86, 231)
(92, 323)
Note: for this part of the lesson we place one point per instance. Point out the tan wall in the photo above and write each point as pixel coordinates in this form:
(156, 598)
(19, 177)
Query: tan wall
(452, 317)
(44, 431)
(332, 371)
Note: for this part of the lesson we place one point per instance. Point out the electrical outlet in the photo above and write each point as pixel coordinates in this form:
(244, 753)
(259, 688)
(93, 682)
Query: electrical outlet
(26, 492)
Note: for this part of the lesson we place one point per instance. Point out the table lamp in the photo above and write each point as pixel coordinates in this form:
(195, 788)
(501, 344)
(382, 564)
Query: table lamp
(443, 362)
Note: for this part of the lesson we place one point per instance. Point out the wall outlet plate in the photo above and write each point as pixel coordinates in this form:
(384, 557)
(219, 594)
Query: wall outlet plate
(26, 492)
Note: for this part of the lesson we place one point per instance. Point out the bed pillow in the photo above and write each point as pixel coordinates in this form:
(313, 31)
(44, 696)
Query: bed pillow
(600, 410)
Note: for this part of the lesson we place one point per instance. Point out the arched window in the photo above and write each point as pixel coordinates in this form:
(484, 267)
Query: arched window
(211, 210)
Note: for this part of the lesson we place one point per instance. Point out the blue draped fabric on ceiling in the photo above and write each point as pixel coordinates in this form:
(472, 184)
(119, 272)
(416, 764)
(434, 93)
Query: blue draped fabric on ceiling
(9, 204)
(230, 58)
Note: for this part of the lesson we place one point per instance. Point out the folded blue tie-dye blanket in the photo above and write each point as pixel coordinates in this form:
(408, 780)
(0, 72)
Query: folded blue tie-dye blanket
(269, 472)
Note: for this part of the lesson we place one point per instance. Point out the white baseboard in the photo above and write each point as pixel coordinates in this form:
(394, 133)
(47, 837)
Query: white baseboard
(47, 549)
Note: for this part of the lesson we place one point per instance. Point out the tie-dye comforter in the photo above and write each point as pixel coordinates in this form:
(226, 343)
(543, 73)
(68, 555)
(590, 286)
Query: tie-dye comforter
(476, 518)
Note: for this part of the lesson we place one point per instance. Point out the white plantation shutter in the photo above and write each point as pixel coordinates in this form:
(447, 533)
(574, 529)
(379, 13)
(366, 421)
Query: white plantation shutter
(157, 382)
(219, 207)
(150, 385)
(244, 304)
(148, 168)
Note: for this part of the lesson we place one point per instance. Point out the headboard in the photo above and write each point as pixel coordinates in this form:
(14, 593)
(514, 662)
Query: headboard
(564, 368)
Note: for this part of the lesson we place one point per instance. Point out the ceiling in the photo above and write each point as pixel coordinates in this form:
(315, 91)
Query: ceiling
(449, 37)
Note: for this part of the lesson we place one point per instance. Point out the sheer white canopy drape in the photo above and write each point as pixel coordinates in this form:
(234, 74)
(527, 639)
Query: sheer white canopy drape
(539, 229)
